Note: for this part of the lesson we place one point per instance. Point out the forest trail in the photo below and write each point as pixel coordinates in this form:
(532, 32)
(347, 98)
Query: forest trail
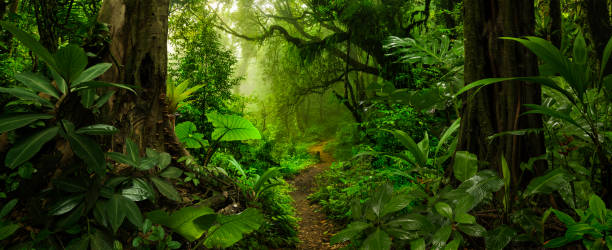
(314, 230)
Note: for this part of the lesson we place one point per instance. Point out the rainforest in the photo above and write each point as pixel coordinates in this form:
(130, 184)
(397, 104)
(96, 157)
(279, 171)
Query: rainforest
(305, 124)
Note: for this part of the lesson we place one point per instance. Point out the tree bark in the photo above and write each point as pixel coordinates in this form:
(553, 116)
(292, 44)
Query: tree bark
(598, 17)
(138, 50)
(496, 108)
(46, 21)
(555, 35)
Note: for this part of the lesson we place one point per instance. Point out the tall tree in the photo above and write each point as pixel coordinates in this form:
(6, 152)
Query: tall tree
(598, 17)
(497, 108)
(138, 50)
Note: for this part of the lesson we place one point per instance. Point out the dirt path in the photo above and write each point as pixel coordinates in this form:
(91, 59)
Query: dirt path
(315, 230)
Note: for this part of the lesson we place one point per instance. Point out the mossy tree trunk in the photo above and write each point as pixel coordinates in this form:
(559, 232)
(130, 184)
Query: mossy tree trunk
(497, 108)
(138, 50)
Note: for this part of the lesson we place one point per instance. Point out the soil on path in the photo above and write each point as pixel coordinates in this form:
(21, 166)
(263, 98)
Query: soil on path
(315, 229)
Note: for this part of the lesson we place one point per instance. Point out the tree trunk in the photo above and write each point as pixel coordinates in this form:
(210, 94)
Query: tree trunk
(555, 35)
(496, 108)
(138, 50)
(598, 17)
(46, 21)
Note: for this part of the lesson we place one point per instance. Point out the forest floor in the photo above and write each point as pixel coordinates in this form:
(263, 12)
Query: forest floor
(315, 229)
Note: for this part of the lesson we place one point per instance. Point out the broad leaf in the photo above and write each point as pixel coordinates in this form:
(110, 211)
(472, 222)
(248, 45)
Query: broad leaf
(563, 217)
(412, 222)
(92, 73)
(28, 95)
(232, 128)
(453, 245)
(538, 109)
(499, 237)
(444, 209)
(71, 61)
(352, 230)
(548, 183)
(397, 202)
(166, 189)
(231, 228)
(88, 150)
(171, 172)
(121, 158)
(418, 244)
(579, 49)
(66, 205)
(447, 134)
(104, 99)
(97, 129)
(474, 230)
(466, 165)
(479, 186)
(605, 58)
(465, 218)
(132, 151)
(139, 191)
(30, 42)
(94, 85)
(132, 212)
(28, 147)
(7, 230)
(441, 236)
(38, 83)
(188, 135)
(115, 211)
(597, 207)
(413, 148)
(7, 208)
(16, 121)
(378, 240)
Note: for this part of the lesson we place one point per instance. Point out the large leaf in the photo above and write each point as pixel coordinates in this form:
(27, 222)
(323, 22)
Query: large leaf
(444, 209)
(28, 95)
(232, 128)
(413, 148)
(397, 202)
(38, 83)
(465, 166)
(418, 244)
(447, 134)
(28, 147)
(89, 151)
(139, 191)
(479, 186)
(441, 236)
(605, 58)
(7, 208)
(92, 73)
(499, 237)
(71, 61)
(547, 183)
(132, 151)
(231, 228)
(350, 232)
(115, 211)
(597, 207)
(187, 134)
(132, 212)
(378, 240)
(182, 221)
(97, 129)
(96, 84)
(7, 230)
(579, 49)
(474, 230)
(166, 189)
(538, 109)
(66, 204)
(413, 221)
(30, 42)
(15, 121)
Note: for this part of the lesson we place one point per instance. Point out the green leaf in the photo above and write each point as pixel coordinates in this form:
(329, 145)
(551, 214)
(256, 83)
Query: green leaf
(381, 196)
(166, 189)
(97, 84)
(28, 147)
(412, 222)
(538, 109)
(132, 151)
(59, 81)
(609, 237)
(7, 208)
(557, 242)
(350, 232)
(88, 150)
(172, 173)
(453, 245)
(115, 211)
(413, 148)
(579, 50)
(139, 191)
(97, 129)
(231, 228)
(499, 237)
(378, 240)
(71, 61)
(563, 217)
(99, 241)
(397, 202)
(30, 42)
(466, 165)
(92, 73)
(548, 183)
(28, 95)
(37, 83)
(474, 230)
(104, 99)
(66, 205)
(597, 207)
(605, 58)
(88, 96)
(447, 134)
(465, 218)
(418, 244)
(187, 134)
(132, 212)
(16, 121)
(7, 230)
(121, 158)
(232, 128)
(182, 221)
(441, 236)
(444, 209)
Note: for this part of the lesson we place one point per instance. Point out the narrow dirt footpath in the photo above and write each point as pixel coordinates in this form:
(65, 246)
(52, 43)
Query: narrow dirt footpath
(315, 230)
